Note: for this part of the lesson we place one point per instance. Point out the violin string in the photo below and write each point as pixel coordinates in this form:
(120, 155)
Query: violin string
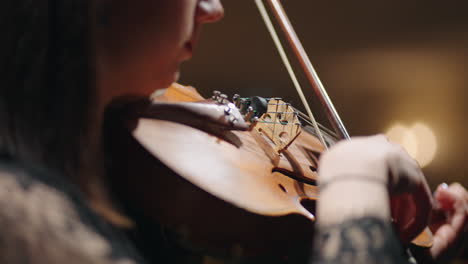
(277, 103)
(309, 71)
(284, 124)
(271, 29)
(285, 112)
(323, 129)
(302, 117)
(292, 127)
(276, 117)
(294, 117)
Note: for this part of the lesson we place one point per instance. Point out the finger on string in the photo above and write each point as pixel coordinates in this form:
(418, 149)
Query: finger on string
(443, 238)
(452, 198)
(449, 232)
(445, 198)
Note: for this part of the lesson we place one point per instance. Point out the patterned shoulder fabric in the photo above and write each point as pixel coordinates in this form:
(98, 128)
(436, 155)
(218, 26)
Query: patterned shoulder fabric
(44, 220)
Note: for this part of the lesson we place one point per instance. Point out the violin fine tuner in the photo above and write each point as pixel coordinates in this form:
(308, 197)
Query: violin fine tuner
(254, 111)
(220, 98)
(272, 117)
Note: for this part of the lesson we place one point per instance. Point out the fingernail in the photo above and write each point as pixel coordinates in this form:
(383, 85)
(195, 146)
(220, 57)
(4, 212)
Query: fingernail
(444, 185)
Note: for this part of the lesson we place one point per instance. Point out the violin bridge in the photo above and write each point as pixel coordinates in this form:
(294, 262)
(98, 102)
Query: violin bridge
(278, 120)
(280, 123)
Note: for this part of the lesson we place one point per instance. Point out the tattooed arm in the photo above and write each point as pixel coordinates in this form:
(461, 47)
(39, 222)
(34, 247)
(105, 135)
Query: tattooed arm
(354, 220)
(363, 240)
(355, 226)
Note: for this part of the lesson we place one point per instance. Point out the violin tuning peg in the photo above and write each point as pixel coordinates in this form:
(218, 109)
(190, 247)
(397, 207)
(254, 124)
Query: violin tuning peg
(250, 113)
(223, 99)
(233, 120)
(241, 103)
(227, 110)
(236, 100)
(216, 95)
(253, 123)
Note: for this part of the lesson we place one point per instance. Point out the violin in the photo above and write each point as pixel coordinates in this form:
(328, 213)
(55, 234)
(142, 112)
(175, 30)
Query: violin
(236, 178)
(222, 187)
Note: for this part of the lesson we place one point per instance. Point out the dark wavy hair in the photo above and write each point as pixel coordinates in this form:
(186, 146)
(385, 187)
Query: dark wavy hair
(47, 88)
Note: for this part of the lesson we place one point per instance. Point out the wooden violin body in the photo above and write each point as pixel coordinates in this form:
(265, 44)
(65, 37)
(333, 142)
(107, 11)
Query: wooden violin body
(222, 190)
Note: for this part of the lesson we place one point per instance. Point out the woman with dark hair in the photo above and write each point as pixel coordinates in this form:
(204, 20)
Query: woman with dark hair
(61, 64)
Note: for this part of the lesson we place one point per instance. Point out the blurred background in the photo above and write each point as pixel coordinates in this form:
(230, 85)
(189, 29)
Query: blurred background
(395, 67)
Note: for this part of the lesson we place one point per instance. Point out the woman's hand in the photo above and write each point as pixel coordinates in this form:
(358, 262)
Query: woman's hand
(374, 157)
(450, 220)
(357, 176)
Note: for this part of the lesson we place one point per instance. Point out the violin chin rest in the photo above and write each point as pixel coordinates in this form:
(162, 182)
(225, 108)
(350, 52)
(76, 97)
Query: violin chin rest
(199, 115)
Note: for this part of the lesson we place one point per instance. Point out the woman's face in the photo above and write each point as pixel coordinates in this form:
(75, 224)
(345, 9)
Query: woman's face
(140, 44)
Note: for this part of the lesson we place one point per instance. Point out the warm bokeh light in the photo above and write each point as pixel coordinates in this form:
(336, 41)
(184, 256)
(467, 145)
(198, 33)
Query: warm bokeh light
(419, 140)
(402, 135)
(427, 143)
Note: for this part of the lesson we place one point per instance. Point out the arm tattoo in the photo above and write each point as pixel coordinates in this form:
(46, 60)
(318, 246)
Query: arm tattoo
(364, 240)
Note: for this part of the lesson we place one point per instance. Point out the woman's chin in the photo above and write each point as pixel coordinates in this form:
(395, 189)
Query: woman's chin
(163, 83)
(176, 77)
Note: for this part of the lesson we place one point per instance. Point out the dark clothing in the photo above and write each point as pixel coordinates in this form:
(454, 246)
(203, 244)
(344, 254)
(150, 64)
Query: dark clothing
(44, 219)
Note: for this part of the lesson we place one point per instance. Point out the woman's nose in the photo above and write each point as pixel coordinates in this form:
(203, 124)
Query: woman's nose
(209, 11)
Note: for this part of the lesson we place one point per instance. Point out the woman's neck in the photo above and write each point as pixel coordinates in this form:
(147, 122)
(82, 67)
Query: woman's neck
(92, 180)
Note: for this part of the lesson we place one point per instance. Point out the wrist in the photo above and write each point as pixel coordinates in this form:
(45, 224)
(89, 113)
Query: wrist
(334, 167)
(324, 183)
(344, 200)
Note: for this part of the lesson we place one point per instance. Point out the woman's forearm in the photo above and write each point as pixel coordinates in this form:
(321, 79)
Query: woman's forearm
(342, 200)
(354, 225)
